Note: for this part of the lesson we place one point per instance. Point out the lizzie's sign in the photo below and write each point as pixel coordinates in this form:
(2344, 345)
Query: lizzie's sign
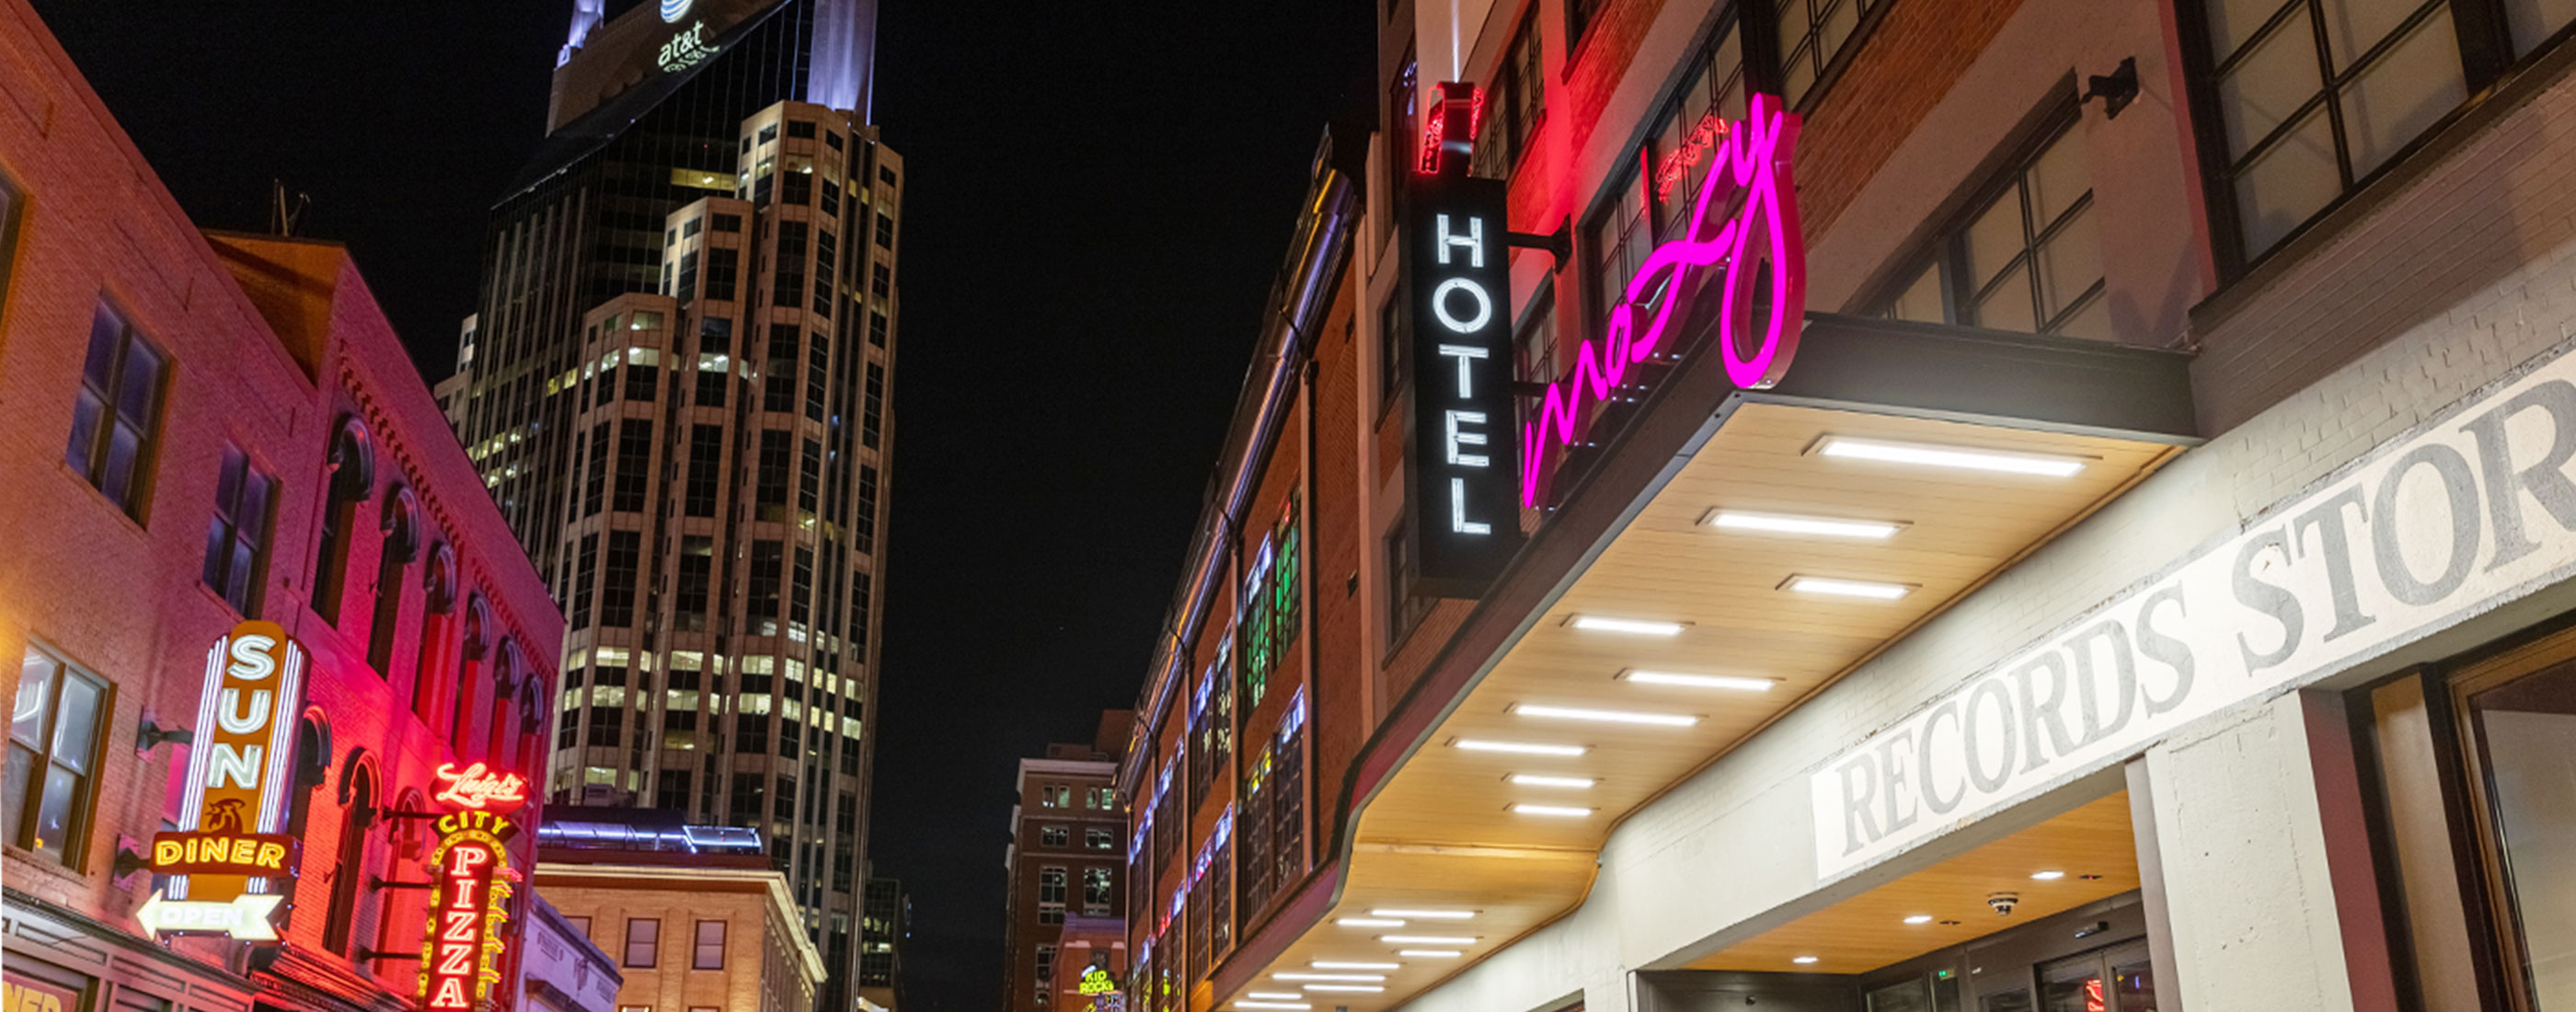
(2468, 512)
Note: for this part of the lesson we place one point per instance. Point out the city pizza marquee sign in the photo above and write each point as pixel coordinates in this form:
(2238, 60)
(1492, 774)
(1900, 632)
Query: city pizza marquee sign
(231, 867)
(472, 882)
(2470, 511)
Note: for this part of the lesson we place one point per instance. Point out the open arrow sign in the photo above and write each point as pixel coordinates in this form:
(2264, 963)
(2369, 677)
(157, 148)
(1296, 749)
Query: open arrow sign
(245, 917)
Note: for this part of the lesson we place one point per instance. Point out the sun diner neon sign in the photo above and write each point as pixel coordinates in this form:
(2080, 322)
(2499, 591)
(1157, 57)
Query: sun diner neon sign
(230, 861)
(1758, 242)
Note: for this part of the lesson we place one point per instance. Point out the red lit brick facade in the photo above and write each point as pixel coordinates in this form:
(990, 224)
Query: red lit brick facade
(272, 356)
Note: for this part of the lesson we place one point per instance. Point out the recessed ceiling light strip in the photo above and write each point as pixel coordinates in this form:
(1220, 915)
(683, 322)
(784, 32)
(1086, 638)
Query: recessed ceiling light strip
(1779, 523)
(1539, 780)
(1736, 683)
(1520, 747)
(1929, 455)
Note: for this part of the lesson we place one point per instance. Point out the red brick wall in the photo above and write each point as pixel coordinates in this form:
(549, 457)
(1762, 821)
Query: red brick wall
(122, 598)
(1905, 65)
(1338, 628)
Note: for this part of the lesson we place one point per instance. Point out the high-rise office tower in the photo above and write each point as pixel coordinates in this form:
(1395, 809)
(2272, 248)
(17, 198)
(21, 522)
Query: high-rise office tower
(676, 390)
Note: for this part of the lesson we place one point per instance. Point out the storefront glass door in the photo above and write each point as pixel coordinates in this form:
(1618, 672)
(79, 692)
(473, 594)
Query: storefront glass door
(2116, 979)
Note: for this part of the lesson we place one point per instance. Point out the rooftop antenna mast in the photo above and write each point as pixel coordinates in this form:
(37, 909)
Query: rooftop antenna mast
(284, 215)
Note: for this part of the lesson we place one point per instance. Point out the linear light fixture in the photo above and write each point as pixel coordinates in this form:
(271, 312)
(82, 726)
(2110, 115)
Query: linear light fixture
(1557, 810)
(1329, 964)
(1369, 922)
(1736, 683)
(1781, 523)
(2048, 876)
(1288, 1006)
(1274, 995)
(1642, 627)
(1803, 960)
(1373, 977)
(1538, 780)
(1344, 987)
(1522, 747)
(1425, 940)
(1928, 455)
(1918, 918)
(1428, 915)
(1429, 953)
(1605, 716)
(1847, 588)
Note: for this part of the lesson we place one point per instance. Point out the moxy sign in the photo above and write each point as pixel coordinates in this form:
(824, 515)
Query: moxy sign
(229, 860)
(1466, 526)
(469, 906)
(1744, 222)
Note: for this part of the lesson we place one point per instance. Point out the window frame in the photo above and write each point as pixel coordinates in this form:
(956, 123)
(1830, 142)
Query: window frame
(256, 533)
(1944, 249)
(2491, 924)
(2492, 77)
(136, 498)
(652, 946)
(1510, 75)
(23, 824)
(698, 945)
(13, 213)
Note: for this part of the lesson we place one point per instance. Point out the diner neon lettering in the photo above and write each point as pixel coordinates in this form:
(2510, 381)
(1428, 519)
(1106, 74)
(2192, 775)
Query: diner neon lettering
(1750, 157)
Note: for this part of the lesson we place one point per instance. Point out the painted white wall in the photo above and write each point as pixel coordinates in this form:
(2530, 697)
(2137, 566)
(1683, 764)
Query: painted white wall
(2250, 898)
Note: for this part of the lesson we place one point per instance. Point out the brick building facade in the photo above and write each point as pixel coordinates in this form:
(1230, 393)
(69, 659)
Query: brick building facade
(1063, 861)
(693, 916)
(213, 429)
(2133, 578)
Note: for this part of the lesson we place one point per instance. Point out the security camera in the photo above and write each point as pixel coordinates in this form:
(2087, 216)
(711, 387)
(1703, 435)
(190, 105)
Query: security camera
(2003, 902)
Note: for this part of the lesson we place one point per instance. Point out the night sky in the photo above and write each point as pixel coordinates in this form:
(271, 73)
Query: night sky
(1099, 196)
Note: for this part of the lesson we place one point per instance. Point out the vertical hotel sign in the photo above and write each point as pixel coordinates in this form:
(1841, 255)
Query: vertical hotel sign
(1457, 271)
(469, 900)
(229, 862)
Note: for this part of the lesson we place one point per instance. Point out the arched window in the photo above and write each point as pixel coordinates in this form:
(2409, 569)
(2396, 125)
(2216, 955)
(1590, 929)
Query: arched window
(399, 912)
(357, 817)
(312, 767)
(505, 682)
(353, 476)
(437, 621)
(469, 670)
(401, 529)
(532, 727)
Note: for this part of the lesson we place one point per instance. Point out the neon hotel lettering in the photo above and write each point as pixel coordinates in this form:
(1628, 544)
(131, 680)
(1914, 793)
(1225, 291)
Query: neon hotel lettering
(1749, 156)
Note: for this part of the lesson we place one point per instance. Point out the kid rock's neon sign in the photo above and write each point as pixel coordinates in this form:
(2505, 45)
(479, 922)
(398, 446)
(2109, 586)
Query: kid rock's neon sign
(1759, 242)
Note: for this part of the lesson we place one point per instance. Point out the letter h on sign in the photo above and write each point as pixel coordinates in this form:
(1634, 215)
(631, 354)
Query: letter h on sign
(1457, 290)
